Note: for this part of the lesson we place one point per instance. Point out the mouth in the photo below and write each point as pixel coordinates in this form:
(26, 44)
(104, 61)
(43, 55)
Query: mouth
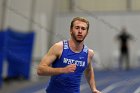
(79, 35)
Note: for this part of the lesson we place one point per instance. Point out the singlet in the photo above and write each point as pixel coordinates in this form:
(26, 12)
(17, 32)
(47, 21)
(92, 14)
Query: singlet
(70, 82)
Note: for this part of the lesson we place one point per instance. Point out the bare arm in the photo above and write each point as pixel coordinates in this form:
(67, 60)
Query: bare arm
(89, 74)
(44, 67)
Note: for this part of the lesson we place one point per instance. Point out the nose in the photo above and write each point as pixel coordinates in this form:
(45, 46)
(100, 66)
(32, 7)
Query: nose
(80, 30)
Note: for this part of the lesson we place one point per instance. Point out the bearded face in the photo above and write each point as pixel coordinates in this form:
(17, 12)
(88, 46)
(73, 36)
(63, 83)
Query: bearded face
(79, 31)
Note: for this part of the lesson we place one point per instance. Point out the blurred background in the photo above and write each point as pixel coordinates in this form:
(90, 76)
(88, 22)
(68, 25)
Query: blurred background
(28, 28)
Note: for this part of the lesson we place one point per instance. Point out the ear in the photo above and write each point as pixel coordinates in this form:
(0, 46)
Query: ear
(70, 31)
(87, 33)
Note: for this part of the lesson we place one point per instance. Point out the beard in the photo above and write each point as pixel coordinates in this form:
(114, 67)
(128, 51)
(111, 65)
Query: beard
(78, 39)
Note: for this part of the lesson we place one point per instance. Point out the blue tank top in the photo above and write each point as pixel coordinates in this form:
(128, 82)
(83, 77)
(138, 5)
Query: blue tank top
(70, 82)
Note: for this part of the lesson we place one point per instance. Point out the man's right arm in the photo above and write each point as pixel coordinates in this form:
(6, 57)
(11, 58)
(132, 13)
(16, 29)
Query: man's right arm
(44, 67)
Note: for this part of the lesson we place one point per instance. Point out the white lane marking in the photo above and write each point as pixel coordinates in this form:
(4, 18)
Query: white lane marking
(115, 85)
(40, 91)
(137, 90)
(112, 86)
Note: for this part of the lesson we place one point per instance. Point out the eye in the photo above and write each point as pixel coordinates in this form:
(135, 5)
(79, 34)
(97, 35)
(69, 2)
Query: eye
(77, 27)
(83, 28)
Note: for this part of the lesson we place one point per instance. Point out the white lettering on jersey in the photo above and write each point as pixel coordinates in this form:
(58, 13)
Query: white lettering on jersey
(71, 61)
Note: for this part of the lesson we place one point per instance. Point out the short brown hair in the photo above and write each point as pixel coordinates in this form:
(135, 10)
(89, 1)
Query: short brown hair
(80, 19)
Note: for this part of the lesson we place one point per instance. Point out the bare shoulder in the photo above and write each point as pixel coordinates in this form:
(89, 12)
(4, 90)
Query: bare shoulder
(90, 56)
(90, 53)
(57, 47)
(52, 54)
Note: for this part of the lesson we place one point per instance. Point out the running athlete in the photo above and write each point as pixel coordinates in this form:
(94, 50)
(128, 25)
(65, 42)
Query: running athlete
(67, 60)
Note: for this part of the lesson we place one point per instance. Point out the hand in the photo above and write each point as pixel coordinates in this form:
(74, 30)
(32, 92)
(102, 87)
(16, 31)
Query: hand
(70, 68)
(96, 91)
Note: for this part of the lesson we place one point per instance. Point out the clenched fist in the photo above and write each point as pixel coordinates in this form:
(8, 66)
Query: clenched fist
(70, 68)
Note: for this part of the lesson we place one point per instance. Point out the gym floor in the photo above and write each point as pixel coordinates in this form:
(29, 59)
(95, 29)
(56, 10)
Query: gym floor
(108, 81)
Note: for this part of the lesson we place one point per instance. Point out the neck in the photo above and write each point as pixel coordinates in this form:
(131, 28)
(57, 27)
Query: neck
(75, 46)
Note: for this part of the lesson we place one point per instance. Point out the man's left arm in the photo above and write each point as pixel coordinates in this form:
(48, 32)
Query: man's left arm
(89, 73)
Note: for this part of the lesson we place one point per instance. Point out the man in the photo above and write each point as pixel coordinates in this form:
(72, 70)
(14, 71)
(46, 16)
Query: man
(66, 61)
(124, 37)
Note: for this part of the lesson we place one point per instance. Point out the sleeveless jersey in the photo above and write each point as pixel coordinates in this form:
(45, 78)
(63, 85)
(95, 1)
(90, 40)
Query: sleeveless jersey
(70, 82)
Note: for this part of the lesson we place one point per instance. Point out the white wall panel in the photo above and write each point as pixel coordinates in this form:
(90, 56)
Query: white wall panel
(102, 33)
